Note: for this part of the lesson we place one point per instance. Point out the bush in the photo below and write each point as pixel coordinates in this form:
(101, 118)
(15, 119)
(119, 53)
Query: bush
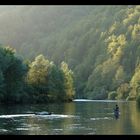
(112, 95)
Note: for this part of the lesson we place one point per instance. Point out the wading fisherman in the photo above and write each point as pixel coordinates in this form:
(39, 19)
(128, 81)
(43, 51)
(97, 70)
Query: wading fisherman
(116, 112)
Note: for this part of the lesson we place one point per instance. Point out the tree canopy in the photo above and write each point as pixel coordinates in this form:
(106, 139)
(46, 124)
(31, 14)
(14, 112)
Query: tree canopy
(99, 45)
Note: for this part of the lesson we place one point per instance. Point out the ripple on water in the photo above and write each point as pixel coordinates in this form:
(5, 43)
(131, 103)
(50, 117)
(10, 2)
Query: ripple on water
(28, 128)
(16, 115)
(3, 130)
(75, 127)
(103, 118)
(22, 128)
(75, 124)
(57, 129)
(56, 116)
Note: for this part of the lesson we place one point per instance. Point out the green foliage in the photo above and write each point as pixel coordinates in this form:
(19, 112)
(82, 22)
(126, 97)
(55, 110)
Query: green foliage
(37, 74)
(112, 95)
(100, 44)
(55, 85)
(68, 81)
(12, 73)
(123, 91)
(48, 82)
(135, 84)
(2, 92)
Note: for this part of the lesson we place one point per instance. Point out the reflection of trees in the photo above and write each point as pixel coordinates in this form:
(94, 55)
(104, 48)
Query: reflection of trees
(43, 126)
(38, 126)
(129, 119)
(128, 122)
(34, 125)
(125, 123)
(135, 117)
(67, 123)
(108, 126)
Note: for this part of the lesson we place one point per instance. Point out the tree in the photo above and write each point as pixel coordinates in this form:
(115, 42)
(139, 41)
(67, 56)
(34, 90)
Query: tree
(12, 72)
(135, 84)
(13, 76)
(123, 91)
(119, 76)
(112, 95)
(38, 71)
(55, 84)
(37, 77)
(68, 81)
(2, 89)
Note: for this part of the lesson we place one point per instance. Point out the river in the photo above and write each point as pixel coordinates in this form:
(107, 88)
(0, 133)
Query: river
(81, 117)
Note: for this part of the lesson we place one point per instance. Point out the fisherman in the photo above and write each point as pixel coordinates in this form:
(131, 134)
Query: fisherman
(117, 108)
(116, 112)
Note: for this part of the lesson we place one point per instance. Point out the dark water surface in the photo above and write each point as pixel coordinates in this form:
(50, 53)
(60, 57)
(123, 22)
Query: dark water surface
(81, 117)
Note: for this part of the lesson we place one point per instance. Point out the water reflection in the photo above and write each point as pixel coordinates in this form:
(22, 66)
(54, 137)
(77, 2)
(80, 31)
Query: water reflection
(134, 117)
(84, 118)
(69, 125)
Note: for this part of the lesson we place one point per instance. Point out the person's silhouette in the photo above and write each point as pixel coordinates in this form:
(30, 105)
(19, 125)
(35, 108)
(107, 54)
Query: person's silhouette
(116, 112)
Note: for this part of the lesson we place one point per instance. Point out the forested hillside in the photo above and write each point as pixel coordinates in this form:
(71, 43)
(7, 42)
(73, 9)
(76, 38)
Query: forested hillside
(101, 44)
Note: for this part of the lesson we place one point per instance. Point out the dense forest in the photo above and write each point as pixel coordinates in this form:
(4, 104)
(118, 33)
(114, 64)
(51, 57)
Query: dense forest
(96, 46)
(40, 81)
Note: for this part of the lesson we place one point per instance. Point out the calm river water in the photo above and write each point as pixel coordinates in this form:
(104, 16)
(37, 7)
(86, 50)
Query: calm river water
(81, 117)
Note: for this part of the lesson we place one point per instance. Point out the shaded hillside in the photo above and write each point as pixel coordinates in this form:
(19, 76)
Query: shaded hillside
(101, 44)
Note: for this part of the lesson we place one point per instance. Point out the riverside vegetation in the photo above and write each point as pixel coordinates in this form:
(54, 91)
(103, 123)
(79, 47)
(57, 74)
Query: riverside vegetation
(90, 52)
